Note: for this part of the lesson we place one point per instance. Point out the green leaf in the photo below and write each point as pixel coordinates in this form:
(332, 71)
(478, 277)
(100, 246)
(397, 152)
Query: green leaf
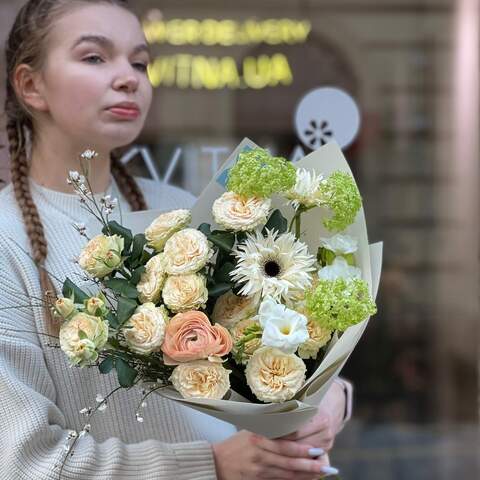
(137, 273)
(126, 374)
(122, 287)
(223, 240)
(139, 242)
(125, 309)
(106, 365)
(219, 289)
(69, 289)
(114, 228)
(81, 334)
(112, 320)
(222, 275)
(276, 222)
(205, 229)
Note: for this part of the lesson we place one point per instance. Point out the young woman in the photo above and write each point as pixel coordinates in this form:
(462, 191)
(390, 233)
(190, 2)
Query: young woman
(76, 79)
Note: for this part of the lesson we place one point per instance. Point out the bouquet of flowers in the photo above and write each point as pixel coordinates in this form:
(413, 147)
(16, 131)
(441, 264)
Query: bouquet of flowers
(249, 304)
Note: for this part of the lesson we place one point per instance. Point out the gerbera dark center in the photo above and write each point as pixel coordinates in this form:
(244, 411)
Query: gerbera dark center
(272, 268)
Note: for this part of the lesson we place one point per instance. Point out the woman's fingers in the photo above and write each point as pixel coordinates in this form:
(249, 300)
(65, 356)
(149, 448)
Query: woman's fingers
(287, 448)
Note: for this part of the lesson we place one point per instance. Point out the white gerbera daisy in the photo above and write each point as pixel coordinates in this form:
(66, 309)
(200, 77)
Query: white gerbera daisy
(278, 265)
(306, 190)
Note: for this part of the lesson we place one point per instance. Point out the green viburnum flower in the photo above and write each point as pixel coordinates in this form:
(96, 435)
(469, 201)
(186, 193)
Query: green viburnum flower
(340, 303)
(340, 194)
(258, 174)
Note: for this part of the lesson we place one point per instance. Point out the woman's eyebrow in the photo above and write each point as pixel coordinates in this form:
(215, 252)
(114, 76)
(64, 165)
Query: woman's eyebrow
(107, 43)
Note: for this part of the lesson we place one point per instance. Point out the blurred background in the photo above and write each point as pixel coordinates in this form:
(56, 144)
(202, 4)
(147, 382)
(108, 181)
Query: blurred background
(395, 82)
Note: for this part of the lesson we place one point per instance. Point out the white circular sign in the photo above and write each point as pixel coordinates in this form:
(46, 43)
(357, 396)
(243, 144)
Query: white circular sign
(325, 114)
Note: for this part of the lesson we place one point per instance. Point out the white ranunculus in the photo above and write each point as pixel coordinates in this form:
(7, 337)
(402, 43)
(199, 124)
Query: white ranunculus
(283, 328)
(339, 269)
(145, 329)
(274, 376)
(165, 225)
(151, 282)
(101, 255)
(82, 337)
(237, 213)
(185, 292)
(201, 379)
(230, 309)
(186, 251)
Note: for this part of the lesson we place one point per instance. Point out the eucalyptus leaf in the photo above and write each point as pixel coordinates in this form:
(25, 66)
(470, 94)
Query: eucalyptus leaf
(112, 320)
(136, 274)
(219, 289)
(139, 242)
(205, 229)
(126, 374)
(223, 240)
(276, 222)
(122, 287)
(106, 365)
(69, 289)
(125, 309)
(222, 274)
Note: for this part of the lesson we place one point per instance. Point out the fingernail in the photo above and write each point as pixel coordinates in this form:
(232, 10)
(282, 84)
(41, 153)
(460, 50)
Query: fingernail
(329, 471)
(316, 452)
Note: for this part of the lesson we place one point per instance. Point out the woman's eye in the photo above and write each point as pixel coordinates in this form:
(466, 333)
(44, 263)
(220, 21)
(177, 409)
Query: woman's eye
(140, 66)
(93, 59)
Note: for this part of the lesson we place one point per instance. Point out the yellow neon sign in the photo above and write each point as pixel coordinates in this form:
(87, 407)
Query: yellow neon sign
(212, 73)
(226, 32)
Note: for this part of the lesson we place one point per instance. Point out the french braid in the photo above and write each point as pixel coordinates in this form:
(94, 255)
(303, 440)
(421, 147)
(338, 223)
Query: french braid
(25, 45)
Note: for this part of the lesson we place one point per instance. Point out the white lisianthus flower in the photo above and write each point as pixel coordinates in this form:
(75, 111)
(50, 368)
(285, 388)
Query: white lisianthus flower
(201, 379)
(230, 309)
(306, 189)
(186, 251)
(82, 337)
(318, 337)
(339, 269)
(185, 292)
(145, 330)
(152, 279)
(283, 328)
(101, 255)
(340, 244)
(275, 376)
(237, 213)
(165, 225)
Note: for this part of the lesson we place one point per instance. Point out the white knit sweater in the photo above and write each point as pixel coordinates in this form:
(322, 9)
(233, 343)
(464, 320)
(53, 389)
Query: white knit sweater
(41, 396)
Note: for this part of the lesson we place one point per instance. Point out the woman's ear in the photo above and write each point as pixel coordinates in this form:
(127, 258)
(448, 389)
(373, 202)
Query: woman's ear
(28, 87)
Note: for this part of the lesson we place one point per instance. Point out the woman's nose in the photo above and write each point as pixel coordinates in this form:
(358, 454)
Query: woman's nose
(126, 80)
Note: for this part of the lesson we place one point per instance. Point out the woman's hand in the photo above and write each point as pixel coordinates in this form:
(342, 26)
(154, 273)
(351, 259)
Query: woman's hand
(249, 456)
(321, 430)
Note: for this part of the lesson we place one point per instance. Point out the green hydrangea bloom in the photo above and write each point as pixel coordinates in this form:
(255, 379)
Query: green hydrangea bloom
(339, 193)
(340, 303)
(257, 173)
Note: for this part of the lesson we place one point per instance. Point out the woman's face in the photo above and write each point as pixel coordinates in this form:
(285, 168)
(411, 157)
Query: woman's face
(96, 59)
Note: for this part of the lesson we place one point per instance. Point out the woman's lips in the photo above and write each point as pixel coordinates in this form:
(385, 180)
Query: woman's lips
(125, 112)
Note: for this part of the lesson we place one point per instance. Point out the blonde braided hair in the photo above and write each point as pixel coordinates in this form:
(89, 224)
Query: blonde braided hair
(25, 45)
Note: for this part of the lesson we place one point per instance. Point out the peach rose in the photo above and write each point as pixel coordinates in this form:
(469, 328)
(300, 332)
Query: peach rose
(190, 336)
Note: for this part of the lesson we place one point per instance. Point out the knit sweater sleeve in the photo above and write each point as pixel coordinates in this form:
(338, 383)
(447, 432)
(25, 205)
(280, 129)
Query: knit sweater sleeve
(33, 427)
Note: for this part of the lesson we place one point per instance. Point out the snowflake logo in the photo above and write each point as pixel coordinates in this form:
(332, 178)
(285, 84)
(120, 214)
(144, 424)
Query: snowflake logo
(318, 133)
